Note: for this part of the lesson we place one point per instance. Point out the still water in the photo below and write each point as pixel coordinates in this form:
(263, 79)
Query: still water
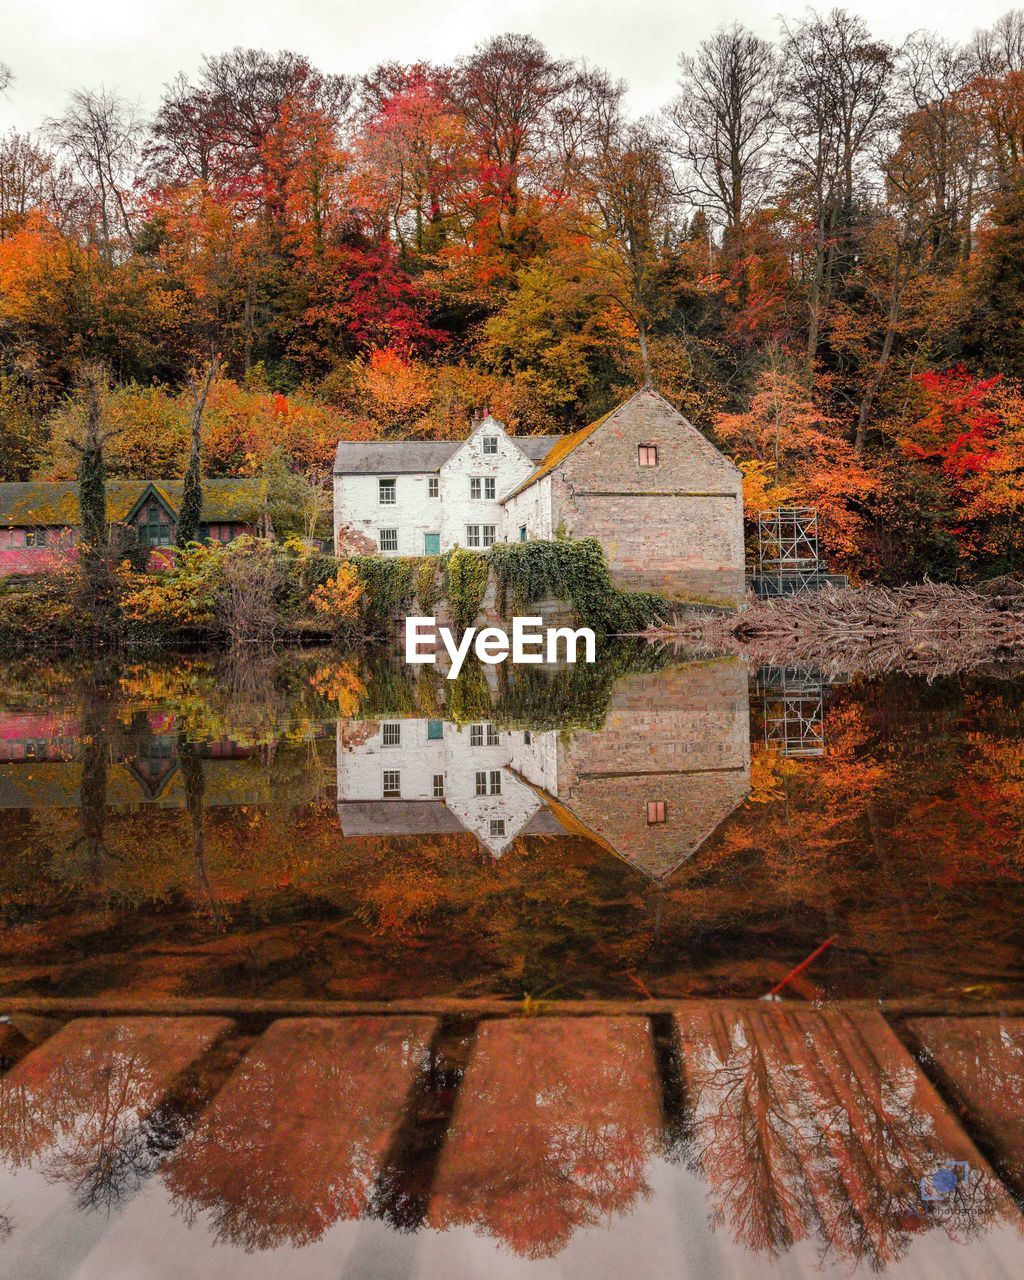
(315, 827)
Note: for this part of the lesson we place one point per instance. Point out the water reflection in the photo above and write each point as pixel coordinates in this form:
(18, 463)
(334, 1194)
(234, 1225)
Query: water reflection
(669, 763)
(796, 1142)
(328, 826)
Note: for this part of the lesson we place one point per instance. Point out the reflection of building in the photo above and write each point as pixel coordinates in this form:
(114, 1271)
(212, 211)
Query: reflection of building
(670, 763)
(424, 777)
(40, 766)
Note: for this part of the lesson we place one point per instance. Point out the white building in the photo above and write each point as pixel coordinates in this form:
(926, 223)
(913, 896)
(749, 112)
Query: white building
(651, 786)
(665, 504)
(407, 777)
(422, 497)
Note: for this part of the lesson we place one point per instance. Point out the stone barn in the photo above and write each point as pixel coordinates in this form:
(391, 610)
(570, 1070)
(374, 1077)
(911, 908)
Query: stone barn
(664, 502)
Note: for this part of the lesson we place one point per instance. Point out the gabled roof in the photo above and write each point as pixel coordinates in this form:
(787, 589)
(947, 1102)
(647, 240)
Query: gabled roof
(54, 504)
(565, 445)
(415, 457)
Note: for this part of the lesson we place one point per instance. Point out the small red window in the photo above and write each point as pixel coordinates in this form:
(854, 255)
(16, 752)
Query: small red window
(655, 812)
(647, 455)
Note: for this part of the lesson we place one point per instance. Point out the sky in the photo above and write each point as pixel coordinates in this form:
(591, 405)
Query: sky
(136, 46)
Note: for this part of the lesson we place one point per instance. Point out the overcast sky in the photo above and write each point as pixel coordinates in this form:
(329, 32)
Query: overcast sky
(53, 46)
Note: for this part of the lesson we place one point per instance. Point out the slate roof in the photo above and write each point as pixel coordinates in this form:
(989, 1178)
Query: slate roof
(54, 504)
(396, 818)
(412, 457)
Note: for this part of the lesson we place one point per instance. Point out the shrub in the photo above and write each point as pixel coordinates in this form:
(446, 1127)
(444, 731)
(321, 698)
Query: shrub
(338, 598)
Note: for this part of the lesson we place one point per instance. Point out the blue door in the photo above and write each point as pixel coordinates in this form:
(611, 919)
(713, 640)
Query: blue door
(431, 544)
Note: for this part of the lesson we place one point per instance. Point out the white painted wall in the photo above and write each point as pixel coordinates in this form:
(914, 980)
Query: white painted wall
(361, 769)
(508, 468)
(357, 504)
(531, 508)
(414, 514)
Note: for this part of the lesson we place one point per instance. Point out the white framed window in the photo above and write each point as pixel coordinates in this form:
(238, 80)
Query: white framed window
(495, 782)
(438, 786)
(490, 444)
(433, 487)
(391, 734)
(472, 535)
(475, 487)
(490, 487)
(492, 736)
(392, 784)
(497, 827)
(476, 735)
(388, 539)
(483, 487)
(487, 532)
(481, 782)
(387, 492)
(647, 455)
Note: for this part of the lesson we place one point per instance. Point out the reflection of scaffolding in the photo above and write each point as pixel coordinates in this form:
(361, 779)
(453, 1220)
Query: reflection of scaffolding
(788, 552)
(794, 710)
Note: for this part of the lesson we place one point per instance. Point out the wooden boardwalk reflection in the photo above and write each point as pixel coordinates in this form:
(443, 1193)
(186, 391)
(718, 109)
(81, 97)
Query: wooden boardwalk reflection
(726, 1138)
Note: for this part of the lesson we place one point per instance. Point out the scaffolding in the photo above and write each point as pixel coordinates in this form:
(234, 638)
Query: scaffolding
(794, 710)
(788, 552)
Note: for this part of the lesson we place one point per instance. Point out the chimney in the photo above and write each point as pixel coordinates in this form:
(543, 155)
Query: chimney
(476, 418)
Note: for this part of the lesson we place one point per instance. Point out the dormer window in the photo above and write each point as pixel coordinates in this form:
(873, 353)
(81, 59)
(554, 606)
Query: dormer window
(490, 444)
(647, 455)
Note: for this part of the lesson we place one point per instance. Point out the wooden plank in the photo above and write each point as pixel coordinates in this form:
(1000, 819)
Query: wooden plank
(296, 1139)
(553, 1129)
(440, 1006)
(76, 1138)
(817, 1126)
(979, 1063)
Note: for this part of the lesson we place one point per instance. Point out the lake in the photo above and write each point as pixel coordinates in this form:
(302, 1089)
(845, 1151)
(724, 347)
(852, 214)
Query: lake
(312, 967)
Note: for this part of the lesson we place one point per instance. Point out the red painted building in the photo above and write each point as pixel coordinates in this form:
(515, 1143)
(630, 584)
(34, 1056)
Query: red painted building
(39, 520)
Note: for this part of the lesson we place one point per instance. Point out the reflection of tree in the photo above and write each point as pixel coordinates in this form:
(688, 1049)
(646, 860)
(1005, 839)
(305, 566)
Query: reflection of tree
(84, 1110)
(555, 1125)
(190, 762)
(295, 1141)
(811, 1126)
(96, 717)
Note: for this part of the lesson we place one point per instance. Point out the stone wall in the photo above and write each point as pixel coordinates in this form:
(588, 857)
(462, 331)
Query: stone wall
(675, 528)
(682, 737)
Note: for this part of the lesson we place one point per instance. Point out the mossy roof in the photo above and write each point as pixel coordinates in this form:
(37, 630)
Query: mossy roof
(566, 445)
(54, 504)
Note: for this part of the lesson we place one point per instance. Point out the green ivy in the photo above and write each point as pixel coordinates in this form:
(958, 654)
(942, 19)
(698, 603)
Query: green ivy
(465, 575)
(389, 583)
(428, 586)
(576, 572)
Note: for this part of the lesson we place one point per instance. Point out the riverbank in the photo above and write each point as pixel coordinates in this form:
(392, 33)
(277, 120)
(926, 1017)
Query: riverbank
(253, 592)
(928, 628)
